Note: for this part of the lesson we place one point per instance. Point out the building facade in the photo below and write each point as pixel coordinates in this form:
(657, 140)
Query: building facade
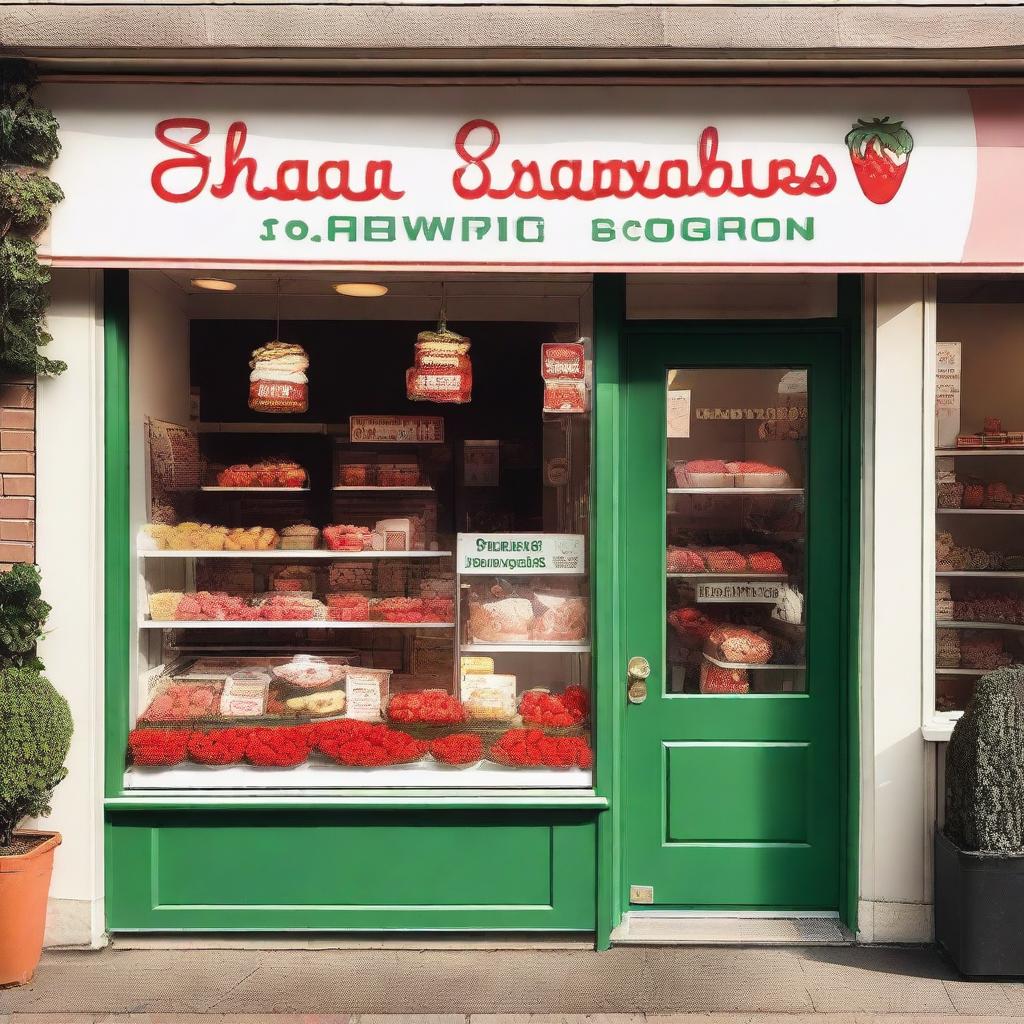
(734, 545)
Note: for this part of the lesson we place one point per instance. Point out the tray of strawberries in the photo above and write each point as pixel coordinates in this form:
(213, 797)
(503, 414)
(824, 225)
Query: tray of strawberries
(282, 475)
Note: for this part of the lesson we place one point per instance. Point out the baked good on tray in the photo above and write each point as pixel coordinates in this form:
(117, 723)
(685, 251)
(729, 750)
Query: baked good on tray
(741, 644)
(278, 381)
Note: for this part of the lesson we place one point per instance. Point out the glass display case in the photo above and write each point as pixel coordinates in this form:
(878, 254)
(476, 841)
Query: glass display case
(978, 486)
(302, 618)
(735, 530)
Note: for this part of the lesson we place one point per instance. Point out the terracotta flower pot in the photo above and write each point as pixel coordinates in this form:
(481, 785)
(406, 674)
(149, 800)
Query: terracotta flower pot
(24, 886)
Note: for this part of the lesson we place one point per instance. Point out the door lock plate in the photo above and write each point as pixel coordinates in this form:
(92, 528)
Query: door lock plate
(641, 894)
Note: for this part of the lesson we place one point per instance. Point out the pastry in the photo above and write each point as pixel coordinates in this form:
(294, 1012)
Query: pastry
(740, 644)
(703, 473)
(300, 537)
(330, 702)
(309, 672)
(561, 618)
(507, 620)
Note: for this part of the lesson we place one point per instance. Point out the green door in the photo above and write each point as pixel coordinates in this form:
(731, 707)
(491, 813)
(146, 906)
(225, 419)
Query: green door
(733, 593)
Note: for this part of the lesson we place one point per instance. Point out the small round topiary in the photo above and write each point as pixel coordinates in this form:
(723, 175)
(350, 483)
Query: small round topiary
(34, 741)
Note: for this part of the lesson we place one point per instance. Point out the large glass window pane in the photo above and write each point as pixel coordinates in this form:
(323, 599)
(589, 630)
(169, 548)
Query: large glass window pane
(735, 530)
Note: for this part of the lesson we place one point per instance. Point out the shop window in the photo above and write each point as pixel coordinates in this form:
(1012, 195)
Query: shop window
(979, 484)
(361, 564)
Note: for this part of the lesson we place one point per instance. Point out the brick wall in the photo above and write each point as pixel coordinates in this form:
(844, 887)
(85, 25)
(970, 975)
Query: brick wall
(17, 470)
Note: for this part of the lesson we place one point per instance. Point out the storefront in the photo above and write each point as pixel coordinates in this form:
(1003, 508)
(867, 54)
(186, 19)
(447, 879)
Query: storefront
(543, 575)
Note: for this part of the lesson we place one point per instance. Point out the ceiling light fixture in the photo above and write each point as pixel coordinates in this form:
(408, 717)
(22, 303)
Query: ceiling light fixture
(361, 289)
(213, 284)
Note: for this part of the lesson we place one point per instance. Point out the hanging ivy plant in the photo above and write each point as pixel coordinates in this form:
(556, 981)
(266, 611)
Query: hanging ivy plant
(28, 145)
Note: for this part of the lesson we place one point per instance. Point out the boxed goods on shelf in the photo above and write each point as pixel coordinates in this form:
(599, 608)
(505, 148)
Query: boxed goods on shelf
(292, 578)
(244, 694)
(346, 537)
(306, 671)
(300, 537)
(700, 473)
(181, 702)
(724, 561)
(488, 697)
(353, 577)
(366, 690)
(348, 607)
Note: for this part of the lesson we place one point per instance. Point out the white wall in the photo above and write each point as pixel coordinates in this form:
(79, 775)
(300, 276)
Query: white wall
(897, 793)
(69, 549)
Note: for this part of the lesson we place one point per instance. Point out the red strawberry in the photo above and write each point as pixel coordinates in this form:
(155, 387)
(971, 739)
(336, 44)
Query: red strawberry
(880, 153)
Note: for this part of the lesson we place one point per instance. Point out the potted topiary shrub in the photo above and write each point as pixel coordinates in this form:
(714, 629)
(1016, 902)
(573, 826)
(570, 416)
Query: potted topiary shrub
(35, 732)
(979, 854)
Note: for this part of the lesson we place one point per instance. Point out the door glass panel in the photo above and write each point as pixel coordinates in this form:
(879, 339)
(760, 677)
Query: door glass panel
(736, 594)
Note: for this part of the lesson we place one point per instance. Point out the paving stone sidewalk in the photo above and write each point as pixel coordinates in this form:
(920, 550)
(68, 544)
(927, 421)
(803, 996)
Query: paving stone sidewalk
(854, 985)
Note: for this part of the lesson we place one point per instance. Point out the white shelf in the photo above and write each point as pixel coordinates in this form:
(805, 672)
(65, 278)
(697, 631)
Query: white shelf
(963, 671)
(300, 624)
(940, 452)
(945, 624)
(736, 491)
(754, 668)
(295, 554)
(257, 490)
(752, 577)
(368, 489)
(997, 574)
(528, 648)
(940, 728)
(979, 511)
(314, 774)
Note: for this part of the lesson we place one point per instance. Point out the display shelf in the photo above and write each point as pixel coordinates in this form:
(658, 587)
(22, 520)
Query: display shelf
(940, 728)
(979, 511)
(941, 452)
(945, 624)
(753, 668)
(291, 624)
(745, 576)
(294, 554)
(272, 428)
(528, 648)
(420, 774)
(374, 489)
(965, 671)
(996, 574)
(736, 491)
(256, 490)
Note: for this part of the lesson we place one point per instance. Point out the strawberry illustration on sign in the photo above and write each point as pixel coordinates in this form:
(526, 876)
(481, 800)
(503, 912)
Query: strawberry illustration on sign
(880, 152)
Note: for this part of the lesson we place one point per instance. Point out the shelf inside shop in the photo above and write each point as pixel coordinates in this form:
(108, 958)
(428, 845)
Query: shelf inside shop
(979, 511)
(291, 624)
(707, 577)
(370, 489)
(965, 671)
(256, 490)
(994, 574)
(1012, 626)
(939, 452)
(753, 668)
(271, 428)
(295, 554)
(734, 492)
(527, 648)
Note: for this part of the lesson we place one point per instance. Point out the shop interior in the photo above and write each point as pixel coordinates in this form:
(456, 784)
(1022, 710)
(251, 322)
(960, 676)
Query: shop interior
(361, 511)
(979, 484)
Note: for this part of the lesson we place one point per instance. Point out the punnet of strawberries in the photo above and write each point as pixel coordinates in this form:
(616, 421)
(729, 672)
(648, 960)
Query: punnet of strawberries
(530, 748)
(366, 744)
(282, 747)
(458, 748)
(218, 746)
(180, 702)
(557, 711)
(158, 746)
(431, 707)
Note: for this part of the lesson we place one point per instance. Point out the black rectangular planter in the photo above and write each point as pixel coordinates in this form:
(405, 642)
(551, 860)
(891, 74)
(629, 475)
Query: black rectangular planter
(979, 910)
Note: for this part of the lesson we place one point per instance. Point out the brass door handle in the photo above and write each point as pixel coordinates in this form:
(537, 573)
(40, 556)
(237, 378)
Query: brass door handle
(637, 671)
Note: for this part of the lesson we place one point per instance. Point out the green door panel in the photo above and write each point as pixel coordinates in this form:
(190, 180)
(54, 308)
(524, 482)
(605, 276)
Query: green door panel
(734, 801)
(720, 793)
(319, 870)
